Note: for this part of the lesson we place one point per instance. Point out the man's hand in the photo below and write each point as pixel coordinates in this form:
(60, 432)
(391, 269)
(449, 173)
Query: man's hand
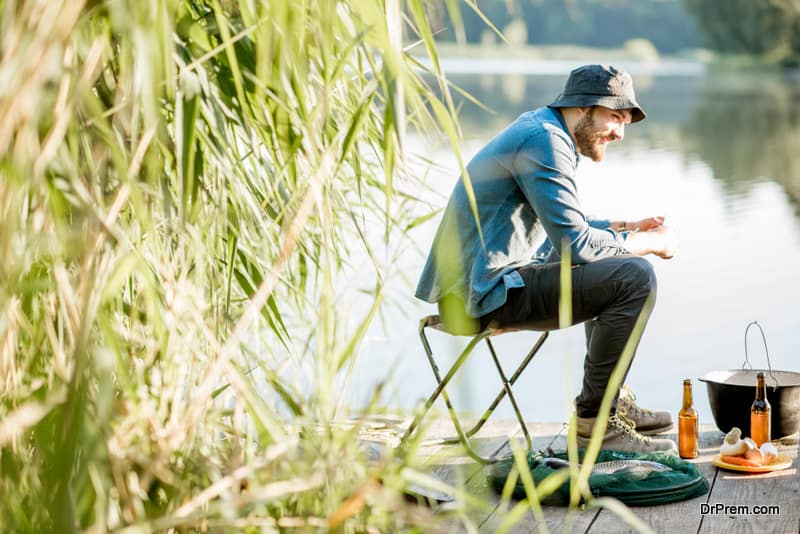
(659, 241)
(650, 223)
(644, 225)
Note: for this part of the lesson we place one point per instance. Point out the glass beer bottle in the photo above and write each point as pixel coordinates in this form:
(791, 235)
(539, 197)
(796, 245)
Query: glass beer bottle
(687, 425)
(760, 412)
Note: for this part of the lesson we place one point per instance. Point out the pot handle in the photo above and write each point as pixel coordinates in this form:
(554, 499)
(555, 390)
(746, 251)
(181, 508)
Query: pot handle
(766, 350)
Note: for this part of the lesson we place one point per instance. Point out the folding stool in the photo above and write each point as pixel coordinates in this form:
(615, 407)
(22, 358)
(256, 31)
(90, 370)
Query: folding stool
(435, 322)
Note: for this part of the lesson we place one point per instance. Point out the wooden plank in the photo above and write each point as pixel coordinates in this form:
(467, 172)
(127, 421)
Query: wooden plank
(477, 484)
(681, 516)
(732, 489)
(556, 518)
(452, 465)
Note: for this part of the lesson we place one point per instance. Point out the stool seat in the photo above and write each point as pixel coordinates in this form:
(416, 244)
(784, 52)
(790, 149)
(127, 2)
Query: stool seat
(435, 322)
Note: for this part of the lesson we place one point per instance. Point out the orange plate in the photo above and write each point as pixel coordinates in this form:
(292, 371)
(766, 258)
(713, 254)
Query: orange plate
(782, 462)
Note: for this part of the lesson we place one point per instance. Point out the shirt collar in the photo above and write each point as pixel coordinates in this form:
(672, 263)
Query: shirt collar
(560, 117)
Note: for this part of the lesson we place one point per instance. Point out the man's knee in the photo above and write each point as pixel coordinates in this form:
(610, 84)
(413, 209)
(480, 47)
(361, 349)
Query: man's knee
(638, 274)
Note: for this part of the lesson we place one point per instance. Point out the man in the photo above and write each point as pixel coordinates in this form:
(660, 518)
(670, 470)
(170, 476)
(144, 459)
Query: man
(505, 271)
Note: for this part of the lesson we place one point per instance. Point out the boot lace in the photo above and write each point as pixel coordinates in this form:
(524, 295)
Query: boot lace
(621, 424)
(628, 403)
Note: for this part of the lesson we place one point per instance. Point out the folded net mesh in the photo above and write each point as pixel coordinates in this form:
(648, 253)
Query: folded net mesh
(682, 481)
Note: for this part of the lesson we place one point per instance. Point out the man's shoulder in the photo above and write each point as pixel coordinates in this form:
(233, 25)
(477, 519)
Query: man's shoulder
(537, 134)
(542, 132)
(542, 124)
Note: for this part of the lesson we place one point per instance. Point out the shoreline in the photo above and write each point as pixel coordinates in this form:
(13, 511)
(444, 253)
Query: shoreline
(554, 59)
(557, 67)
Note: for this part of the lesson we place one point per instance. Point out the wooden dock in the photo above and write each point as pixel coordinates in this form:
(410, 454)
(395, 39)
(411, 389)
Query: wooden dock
(703, 514)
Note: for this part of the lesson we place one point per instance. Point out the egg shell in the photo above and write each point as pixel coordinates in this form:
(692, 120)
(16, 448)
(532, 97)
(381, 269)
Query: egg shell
(770, 452)
(755, 455)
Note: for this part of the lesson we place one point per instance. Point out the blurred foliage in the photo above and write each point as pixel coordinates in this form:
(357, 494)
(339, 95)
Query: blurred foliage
(596, 23)
(759, 27)
(194, 200)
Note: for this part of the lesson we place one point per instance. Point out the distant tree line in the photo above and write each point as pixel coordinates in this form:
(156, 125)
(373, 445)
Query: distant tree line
(599, 23)
(759, 27)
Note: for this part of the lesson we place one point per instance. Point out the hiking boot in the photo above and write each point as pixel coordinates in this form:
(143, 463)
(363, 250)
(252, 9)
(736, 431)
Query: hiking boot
(622, 436)
(647, 422)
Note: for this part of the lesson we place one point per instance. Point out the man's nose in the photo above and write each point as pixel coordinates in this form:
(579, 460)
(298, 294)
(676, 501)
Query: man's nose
(619, 132)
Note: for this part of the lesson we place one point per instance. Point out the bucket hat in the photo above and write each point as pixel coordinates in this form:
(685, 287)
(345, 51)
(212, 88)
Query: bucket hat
(600, 85)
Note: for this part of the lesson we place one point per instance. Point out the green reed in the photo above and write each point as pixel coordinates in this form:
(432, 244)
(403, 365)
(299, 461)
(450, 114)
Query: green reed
(183, 187)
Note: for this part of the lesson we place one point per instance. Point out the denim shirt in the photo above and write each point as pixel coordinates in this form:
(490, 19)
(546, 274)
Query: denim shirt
(524, 185)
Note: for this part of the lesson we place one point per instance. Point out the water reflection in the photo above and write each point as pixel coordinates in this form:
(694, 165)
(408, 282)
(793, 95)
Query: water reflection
(716, 156)
(747, 129)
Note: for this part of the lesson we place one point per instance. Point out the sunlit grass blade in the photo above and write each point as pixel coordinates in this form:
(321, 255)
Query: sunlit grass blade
(614, 383)
(182, 186)
(531, 493)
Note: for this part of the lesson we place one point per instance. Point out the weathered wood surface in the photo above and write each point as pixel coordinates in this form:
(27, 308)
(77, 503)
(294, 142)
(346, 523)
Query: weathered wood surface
(676, 517)
(462, 472)
(700, 515)
(780, 488)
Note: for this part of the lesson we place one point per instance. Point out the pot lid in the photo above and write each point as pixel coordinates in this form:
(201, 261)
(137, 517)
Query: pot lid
(747, 377)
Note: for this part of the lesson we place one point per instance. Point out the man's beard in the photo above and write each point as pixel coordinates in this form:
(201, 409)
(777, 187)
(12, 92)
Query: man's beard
(589, 139)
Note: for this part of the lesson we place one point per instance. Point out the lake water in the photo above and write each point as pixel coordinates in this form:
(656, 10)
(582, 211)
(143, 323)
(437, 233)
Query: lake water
(718, 156)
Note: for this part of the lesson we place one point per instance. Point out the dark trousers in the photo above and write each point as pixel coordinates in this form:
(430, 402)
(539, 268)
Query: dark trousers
(607, 295)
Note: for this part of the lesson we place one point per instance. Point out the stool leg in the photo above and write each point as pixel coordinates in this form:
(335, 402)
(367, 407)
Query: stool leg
(507, 388)
(440, 390)
(442, 382)
(463, 437)
(485, 417)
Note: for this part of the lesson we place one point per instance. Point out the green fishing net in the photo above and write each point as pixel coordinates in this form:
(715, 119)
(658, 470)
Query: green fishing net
(682, 481)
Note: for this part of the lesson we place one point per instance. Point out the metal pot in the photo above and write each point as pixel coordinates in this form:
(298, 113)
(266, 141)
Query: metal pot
(731, 393)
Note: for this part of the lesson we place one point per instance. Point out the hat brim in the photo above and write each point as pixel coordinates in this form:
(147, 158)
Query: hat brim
(610, 102)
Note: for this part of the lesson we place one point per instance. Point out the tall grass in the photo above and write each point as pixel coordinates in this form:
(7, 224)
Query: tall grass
(183, 186)
(189, 196)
